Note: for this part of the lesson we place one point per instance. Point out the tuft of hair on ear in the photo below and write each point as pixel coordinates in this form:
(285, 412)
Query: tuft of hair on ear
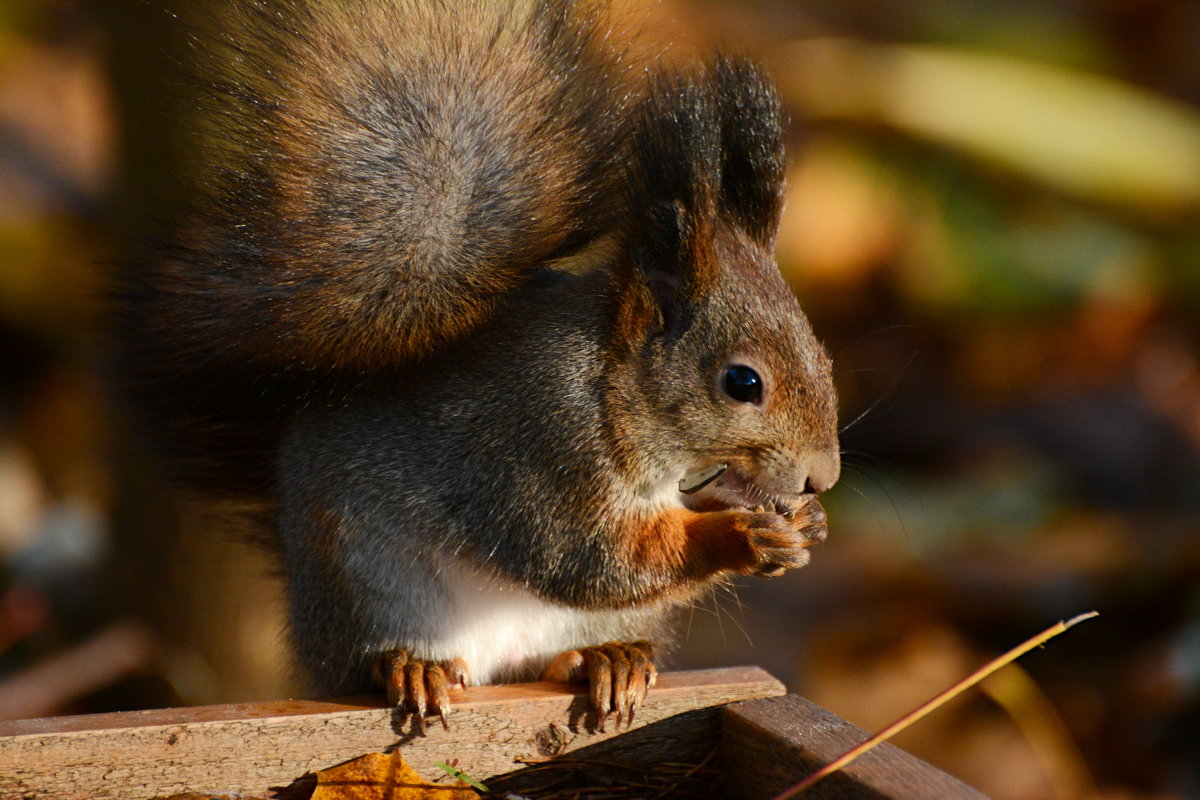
(707, 150)
(672, 187)
(752, 161)
(707, 143)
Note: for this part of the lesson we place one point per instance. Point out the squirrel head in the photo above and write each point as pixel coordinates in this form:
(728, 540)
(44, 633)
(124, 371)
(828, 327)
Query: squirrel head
(710, 345)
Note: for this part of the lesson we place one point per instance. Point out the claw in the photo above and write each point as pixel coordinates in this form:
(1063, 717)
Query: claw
(600, 680)
(620, 682)
(439, 695)
(618, 674)
(457, 673)
(392, 668)
(419, 687)
(414, 674)
(641, 678)
(567, 667)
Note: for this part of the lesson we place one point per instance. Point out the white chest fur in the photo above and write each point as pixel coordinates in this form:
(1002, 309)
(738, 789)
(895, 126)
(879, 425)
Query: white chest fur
(505, 632)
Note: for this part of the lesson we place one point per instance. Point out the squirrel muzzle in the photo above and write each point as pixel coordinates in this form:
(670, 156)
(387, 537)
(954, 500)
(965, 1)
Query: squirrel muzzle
(785, 485)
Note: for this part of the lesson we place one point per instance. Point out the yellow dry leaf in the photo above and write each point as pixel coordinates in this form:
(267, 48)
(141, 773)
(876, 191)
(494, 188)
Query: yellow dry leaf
(380, 776)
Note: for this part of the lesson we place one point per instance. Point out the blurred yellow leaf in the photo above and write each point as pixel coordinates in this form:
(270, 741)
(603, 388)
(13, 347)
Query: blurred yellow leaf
(842, 217)
(382, 776)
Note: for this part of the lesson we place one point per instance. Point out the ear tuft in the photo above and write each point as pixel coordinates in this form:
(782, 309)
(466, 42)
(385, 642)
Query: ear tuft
(708, 152)
(752, 161)
(673, 182)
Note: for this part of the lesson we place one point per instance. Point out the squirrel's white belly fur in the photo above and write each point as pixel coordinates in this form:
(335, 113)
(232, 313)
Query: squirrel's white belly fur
(504, 632)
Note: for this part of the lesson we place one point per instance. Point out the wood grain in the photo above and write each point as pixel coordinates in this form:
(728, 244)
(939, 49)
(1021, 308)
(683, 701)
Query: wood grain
(771, 744)
(254, 748)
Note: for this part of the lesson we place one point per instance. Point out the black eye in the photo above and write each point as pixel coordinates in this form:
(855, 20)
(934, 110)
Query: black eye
(742, 384)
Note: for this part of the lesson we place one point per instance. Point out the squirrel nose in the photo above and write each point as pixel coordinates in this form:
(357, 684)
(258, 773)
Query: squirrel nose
(823, 469)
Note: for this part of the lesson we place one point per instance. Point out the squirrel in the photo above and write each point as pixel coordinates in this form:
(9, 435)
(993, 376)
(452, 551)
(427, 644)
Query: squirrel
(483, 313)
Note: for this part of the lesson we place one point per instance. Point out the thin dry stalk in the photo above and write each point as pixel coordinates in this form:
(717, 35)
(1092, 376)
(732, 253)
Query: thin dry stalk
(933, 703)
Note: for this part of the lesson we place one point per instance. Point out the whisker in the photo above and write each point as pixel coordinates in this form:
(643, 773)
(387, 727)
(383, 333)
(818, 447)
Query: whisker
(717, 612)
(867, 473)
(898, 326)
(731, 589)
(884, 395)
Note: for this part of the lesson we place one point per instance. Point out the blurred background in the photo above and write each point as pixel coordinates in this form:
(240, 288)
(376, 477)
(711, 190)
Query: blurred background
(992, 220)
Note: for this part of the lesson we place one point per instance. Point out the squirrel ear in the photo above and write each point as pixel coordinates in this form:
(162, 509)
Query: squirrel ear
(695, 166)
(650, 304)
(665, 289)
(752, 155)
(707, 150)
(666, 255)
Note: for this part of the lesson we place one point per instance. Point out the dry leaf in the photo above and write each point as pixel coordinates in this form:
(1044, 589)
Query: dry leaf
(380, 776)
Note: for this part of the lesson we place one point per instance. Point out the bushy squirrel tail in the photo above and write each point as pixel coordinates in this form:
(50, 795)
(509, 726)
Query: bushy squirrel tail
(376, 176)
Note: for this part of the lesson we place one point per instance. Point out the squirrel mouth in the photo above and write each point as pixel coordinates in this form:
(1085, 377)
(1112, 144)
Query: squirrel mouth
(716, 487)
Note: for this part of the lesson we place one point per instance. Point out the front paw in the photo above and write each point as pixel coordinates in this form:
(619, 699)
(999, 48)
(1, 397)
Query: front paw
(618, 675)
(778, 543)
(419, 687)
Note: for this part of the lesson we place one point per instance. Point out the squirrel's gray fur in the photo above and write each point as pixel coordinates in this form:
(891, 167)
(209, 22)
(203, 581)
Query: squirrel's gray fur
(456, 302)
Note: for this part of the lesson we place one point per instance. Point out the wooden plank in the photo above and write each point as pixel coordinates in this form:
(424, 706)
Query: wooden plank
(771, 744)
(254, 748)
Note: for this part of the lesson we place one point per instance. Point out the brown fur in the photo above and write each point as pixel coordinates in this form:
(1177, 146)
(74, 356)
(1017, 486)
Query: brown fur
(456, 298)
